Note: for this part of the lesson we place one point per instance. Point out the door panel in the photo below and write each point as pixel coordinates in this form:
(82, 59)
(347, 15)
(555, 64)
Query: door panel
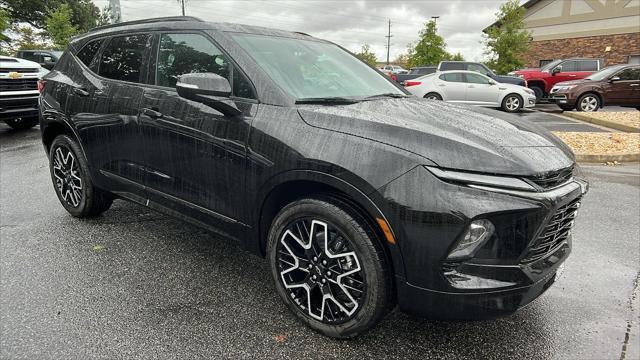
(480, 92)
(625, 91)
(452, 86)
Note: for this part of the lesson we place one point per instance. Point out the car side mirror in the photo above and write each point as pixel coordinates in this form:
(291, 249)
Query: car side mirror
(210, 89)
(556, 70)
(614, 79)
(492, 82)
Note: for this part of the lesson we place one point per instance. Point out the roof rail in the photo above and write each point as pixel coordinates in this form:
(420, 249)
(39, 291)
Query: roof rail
(148, 21)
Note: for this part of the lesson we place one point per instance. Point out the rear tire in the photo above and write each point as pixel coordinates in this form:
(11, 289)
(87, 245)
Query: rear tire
(589, 102)
(538, 91)
(433, 96)
(71, 180)
(22, 123)
(316, 248)
(512, 103)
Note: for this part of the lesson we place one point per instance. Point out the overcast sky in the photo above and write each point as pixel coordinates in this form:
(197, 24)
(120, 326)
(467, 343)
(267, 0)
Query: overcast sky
(348, 23)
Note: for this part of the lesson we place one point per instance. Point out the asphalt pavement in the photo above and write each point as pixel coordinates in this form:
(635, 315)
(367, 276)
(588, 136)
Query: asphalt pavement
(136, 284)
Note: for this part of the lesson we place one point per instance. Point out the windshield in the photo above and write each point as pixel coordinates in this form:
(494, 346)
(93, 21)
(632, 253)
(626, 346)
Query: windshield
(310, 69)
(551, 65)
(605, 73)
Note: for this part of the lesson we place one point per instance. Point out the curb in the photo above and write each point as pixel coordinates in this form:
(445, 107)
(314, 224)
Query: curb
(605, 123)
(603, 158)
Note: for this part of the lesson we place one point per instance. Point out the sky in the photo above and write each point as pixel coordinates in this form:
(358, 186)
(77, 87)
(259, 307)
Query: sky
(345, 22)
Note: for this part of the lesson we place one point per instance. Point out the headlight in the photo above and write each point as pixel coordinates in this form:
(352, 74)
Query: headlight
(481, 179)
(563, 87)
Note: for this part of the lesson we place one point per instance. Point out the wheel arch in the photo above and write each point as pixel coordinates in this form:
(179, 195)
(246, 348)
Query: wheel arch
(594, 92)
(538, 83)
(292, 185)
(433, 92)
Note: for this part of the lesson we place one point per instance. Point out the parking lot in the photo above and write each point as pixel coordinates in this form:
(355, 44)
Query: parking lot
(133, 282)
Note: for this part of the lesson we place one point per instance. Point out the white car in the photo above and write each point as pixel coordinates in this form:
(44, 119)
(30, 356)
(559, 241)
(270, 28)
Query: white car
(472, 88)
(393, 69)
(19, 91)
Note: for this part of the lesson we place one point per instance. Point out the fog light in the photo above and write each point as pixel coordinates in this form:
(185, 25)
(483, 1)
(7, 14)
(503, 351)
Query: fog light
(477, 234)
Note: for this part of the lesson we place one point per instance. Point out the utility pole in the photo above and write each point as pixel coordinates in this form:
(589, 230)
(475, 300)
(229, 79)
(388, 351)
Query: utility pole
(388, 41)
(182, 3)
(435, 19)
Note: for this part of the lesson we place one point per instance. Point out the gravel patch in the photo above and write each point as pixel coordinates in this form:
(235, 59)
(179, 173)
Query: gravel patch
(601, 143)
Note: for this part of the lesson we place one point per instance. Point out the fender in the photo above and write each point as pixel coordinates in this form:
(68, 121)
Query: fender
(361, 199)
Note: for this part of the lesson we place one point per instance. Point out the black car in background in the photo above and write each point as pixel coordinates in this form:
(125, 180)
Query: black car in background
(414, 72)
(46, 58)
(360, 196)
(482, 69)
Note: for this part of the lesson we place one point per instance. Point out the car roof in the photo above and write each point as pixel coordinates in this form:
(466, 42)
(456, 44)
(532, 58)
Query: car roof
(188, 23)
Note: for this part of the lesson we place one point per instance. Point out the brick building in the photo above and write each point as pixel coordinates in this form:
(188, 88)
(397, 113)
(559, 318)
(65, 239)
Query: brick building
(606, 29)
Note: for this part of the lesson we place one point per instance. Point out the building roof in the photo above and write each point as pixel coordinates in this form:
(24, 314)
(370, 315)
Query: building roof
(526, 5)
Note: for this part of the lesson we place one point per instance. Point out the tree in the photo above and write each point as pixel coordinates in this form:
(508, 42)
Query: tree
(456, 57)
(402, 60)
(84, 14)
(5, 24)
(28, 39)
(367, 55)
(430, 48)
(507, 42)
(107, 16)
(59, 26)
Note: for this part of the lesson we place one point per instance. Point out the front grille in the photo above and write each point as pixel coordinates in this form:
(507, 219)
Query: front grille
(18, 84)
(554, 178)
(555, 233)
(18, 70)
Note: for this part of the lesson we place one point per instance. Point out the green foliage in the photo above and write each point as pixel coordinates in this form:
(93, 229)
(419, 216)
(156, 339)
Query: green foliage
(430, 48)
(59, 26)
(84, 14)
(107, 17)
(367, 55)
(508, 42)
(456, 57)
(402, 60)
(28, 39)
(5, 24)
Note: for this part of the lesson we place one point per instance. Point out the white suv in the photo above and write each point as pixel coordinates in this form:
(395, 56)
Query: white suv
(19, 91)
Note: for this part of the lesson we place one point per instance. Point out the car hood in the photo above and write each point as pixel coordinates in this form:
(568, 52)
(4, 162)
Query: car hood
(17, 63)
(448, 135)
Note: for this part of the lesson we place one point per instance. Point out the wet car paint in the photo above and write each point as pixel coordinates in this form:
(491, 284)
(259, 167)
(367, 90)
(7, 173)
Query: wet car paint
(230, 175)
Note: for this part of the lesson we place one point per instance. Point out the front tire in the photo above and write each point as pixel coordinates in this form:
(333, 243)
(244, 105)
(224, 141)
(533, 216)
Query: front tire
(71, 180)
(538, 91)
(22, 123)
(512, 103)
(588, 102)
(328, 267)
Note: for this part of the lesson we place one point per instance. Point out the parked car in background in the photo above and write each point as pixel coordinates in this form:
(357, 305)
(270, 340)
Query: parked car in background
(472, 88)
(543, 79)
(414, 73)
(19, 91)
(393, 70)
(46, 58)
(482, 69)
(614, 85)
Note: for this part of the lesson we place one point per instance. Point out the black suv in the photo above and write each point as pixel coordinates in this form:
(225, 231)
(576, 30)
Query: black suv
(359, 195)
(482, 69)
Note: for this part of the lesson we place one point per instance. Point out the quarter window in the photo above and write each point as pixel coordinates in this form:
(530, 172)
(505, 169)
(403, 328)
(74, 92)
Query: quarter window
(123, 58)
(89, 51)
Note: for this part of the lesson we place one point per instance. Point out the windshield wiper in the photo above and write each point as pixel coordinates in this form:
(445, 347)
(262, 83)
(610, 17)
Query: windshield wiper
(327, 100)
(391, 95)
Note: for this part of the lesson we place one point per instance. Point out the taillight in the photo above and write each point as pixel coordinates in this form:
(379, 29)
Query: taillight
(41, 86)
(412, 83)
(394, 78)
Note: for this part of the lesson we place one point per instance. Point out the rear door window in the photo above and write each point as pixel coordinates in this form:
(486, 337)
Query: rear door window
(123, 57)
(453, 77)
(569, 66)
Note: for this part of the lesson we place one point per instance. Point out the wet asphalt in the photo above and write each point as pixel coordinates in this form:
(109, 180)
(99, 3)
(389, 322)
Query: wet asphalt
(136, 284)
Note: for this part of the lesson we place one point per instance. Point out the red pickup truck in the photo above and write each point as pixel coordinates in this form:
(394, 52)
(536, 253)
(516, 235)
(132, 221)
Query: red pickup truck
(542, 80)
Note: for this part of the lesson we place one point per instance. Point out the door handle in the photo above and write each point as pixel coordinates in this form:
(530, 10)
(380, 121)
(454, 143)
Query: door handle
(80, 91)
(634, 84)
(152, 113)
(471, 87)
(443, 85)
(572, 75)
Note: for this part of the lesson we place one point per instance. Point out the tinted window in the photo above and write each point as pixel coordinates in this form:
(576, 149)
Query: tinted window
(452, 77)
(123, 57)
(89, 51)
(452, 66)
(569, 66)
(629, 74)
(425, 71)
(476, 79)
(28, 55)
(588, 65)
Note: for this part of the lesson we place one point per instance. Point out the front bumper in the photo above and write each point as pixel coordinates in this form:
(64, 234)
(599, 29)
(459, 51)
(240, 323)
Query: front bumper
(17, 106)
(562, 98)
(503, 275)
(529, 101)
